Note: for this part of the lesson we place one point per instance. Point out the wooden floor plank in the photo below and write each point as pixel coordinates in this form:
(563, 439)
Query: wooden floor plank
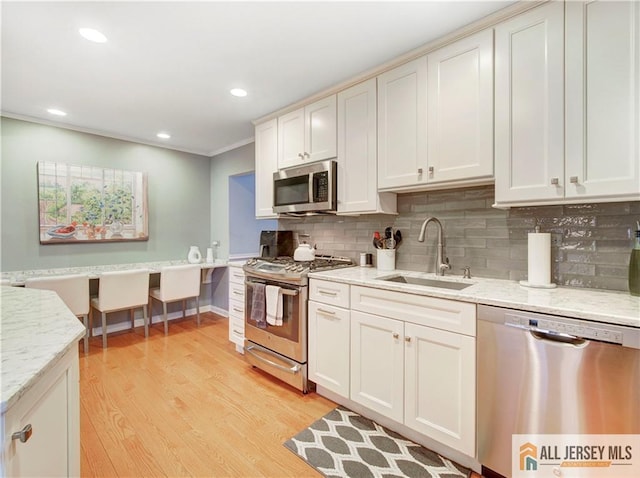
(187, 404)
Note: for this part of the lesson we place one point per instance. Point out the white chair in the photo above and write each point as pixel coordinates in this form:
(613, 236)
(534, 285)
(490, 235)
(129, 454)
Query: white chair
(177, 283)
(121, 290)
(74, 292)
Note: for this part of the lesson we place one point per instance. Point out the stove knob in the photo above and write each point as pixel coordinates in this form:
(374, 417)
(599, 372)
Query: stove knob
(300, 268)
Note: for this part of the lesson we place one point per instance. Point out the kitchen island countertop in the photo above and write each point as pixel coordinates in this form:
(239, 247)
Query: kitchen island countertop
(610, 307)
(37, 329)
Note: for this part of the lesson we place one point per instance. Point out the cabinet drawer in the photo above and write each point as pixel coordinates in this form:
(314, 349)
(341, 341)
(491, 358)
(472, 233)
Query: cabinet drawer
(236, 308)
(236, 275)
(236, 331)
(332, 293)
(444, 314)
(236, 291)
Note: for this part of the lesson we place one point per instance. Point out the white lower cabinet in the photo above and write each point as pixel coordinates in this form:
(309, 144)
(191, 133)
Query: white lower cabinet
(51, 408)
(329, 347)
(329, 335)
(377, 363)
(439, 387)
(413, 359)
(236, 307)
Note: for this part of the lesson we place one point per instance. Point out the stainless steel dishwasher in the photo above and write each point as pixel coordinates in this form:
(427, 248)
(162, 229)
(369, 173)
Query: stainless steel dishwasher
(543, 374)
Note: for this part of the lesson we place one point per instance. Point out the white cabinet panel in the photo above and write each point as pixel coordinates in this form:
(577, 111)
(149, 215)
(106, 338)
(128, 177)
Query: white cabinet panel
(402, 125)
(377, 364)
(529, 105)
(460, 109)
(320, 129)
(603, 99)
(329, 345)
(291, 139)
(236, 307)
(52, 408)
(308, 134)
(327, 292)
(266, 135)
(440, 377)
(357, 152)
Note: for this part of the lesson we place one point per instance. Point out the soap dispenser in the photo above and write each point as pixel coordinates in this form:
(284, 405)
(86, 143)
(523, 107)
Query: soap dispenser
(634, 265)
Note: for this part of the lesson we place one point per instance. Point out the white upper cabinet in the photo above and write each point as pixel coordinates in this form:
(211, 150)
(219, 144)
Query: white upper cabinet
(460, 110)
(603, 99)
(402, 125)
(307, 134)
(529, 106)
(567, 104)
(357, 152)
(266, 137)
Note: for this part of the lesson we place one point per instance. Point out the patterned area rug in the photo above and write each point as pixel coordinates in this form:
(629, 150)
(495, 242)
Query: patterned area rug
(345, 444)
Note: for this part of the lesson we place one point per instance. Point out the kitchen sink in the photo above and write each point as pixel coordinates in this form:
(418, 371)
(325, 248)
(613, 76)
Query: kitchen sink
(443, 284)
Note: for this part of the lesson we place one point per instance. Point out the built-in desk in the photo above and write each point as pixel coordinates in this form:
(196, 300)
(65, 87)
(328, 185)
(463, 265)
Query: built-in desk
(17, 278)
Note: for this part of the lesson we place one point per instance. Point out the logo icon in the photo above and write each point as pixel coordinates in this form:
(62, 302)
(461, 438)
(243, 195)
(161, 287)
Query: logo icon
(528, 455)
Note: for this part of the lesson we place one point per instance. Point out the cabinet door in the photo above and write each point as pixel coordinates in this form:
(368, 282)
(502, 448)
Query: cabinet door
(460, 111)
(377, 364)
(402, 125)
(320, 130)
(266, 165)
(329, 334)
(603, 99)
(440, 386)
(52, 408)
(529, 106)
(291, 139)
(357, 167)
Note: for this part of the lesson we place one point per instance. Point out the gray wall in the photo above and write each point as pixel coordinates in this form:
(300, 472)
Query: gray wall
(592, 242)
(178, 193)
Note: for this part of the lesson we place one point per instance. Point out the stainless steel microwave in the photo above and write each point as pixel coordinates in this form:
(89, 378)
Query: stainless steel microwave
(306, 189)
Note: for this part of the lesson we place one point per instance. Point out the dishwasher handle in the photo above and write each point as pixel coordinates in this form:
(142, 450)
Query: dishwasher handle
(559, 337)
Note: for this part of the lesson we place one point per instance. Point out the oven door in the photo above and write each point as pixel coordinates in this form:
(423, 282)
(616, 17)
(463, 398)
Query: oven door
(290, 338)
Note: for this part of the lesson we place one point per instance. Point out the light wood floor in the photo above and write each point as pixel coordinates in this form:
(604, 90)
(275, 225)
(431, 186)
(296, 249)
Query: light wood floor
(187, 404)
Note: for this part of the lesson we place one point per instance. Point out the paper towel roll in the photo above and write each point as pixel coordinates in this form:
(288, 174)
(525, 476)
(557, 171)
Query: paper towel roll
(539, 260)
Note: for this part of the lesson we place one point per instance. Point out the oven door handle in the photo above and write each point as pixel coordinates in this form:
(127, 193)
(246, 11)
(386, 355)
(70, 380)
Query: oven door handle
(291, 292)
(293, 369)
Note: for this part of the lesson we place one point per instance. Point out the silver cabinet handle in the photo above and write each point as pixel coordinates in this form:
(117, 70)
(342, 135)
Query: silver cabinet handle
(555, 181)
(306, 155)
(395, 336)
(328, 312)
(237, 332)
(24, 434)
(300, 155)
(237, 309)
(237, 293)
(430, 170)
(407, 339)
(573, 179)
(326, 292)
(420, 171)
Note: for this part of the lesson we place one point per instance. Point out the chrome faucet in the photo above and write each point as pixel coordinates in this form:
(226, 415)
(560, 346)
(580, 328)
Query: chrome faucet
(441, 261)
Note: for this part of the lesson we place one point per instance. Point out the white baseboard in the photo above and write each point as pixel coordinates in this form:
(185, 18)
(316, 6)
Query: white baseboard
(157, 318)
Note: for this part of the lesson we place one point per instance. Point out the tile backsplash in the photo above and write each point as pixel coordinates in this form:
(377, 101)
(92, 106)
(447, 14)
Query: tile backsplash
(591, 243)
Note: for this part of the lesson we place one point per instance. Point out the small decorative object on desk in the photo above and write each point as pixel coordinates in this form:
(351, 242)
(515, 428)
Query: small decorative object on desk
(194, 256)
(634, 264)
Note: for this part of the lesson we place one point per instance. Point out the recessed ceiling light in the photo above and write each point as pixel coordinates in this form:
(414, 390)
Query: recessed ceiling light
(92, 35)
(238, 92)
(163, 135)
(56, 112)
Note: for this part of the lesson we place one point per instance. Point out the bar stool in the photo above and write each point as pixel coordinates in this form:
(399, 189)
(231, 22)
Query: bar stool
(177, 283)
(122, 290)
(73, 289)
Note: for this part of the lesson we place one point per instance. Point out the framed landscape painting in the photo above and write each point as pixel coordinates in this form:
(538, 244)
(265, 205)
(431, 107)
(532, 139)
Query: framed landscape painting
(91, 204)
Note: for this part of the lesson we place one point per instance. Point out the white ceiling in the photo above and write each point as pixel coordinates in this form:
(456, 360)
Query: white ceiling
(169, 66)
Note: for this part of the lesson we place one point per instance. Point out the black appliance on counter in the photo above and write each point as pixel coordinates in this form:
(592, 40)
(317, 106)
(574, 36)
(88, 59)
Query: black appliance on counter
(276, 243)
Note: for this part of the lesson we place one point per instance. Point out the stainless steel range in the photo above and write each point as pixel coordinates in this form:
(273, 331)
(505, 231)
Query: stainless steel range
(281, 350)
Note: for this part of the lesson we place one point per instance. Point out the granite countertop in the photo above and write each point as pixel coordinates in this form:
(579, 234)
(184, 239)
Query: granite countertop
(17, 278)
(610, 307)
(36, 331)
